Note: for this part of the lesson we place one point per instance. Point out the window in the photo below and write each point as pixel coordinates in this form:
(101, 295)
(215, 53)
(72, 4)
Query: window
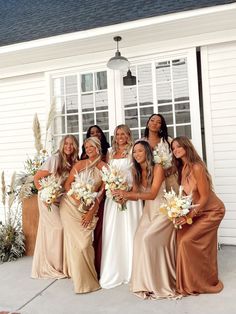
(81, 101)
(162, 87)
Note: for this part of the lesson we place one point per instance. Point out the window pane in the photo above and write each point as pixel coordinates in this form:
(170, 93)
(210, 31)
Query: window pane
(144, 73)
(102, 120)
(167, 113)
(58, 85)
(101, 100)
(87, 82)
(101, 80)
(145, 113)
(72, 124)
(60, 105)
(163, 71)
(88, 120)
(164, 93)
(135, 134)
(179, 69)
(181, 91)
(171, 131)
(87, 102)
(182, 113)
(71, 84)
(59, 125)
(130, 97)
(145, 95)
(131, 118)
(184, 130)
(71, 104)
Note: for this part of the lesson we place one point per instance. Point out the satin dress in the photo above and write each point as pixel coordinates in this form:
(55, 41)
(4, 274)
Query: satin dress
(78, 242)
(48, 253)
(153, 274)
(197, 270)
(118, 234)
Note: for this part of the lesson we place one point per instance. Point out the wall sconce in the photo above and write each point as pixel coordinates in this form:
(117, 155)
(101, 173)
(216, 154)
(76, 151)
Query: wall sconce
(129, 79)
(118, 62)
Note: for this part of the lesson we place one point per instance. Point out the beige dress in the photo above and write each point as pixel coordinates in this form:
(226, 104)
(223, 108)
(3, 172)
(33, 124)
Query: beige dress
(78, 246)
(48, 259)
(153, 274)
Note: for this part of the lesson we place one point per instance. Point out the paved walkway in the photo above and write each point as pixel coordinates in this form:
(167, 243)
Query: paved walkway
(21, 294)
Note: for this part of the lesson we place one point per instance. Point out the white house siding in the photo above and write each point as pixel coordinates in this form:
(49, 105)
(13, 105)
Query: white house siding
(20, 98)
(219, 93)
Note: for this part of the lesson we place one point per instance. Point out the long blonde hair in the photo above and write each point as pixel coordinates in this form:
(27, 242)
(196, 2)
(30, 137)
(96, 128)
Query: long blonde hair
(129, 145)
(67, 162)
(191, 156)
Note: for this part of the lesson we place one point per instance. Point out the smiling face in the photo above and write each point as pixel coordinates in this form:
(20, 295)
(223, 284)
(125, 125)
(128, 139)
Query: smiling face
(154, 124)
(178, 151)
(96, 132)
(121, 137)
(139, 153)
(68, 146)
(91, 150)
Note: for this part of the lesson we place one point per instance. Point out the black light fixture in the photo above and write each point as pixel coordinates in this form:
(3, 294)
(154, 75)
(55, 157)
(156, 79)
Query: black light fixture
(129, 79)
(118, 62)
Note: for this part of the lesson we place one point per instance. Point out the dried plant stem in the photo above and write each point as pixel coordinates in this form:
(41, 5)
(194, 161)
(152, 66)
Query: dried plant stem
(37, 134)
(51, 116)
(4, 194)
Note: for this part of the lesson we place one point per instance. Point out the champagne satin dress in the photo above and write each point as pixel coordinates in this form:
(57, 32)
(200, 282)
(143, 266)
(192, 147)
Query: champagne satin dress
(197, 270)
(153, 273)
(48, 253)
(78, 245)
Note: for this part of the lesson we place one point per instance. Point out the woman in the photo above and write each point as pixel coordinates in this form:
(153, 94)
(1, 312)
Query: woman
(197, 243)
(156, 133)
(79, 223)
(48, 259)
(153, 273)
(119, 226)
(96, 131)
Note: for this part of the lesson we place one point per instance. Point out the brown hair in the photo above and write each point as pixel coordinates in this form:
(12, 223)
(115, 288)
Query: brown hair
(192, 158)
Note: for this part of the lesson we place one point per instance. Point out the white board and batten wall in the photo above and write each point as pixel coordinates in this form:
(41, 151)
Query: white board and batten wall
(219, 96)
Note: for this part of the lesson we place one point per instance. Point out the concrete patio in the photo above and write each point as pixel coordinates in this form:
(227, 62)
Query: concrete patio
(19, 293)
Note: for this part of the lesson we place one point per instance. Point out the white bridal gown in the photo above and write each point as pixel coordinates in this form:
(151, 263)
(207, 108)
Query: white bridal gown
(118, 235)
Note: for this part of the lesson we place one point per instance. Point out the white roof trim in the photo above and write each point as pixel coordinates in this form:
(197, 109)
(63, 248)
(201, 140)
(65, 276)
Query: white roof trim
(116, 28)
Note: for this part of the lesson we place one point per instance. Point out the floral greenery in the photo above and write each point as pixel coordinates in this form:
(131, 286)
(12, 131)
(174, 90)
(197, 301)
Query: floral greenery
(11, 235)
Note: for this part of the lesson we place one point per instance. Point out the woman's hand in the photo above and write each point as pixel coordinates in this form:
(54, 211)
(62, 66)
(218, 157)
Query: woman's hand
(188, 219)
(87, 218)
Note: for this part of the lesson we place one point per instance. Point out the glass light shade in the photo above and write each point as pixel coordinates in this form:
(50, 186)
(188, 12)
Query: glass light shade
(118, 62)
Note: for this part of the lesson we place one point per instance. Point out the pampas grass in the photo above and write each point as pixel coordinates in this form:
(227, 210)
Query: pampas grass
(50, 119)
(11, 235)
(37, 134)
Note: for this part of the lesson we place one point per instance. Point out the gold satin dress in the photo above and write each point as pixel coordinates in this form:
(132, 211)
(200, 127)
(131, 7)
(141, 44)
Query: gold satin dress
(154, 259)
(78, 245)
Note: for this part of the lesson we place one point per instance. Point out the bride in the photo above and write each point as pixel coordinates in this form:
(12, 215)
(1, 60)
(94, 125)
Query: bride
(119, 226)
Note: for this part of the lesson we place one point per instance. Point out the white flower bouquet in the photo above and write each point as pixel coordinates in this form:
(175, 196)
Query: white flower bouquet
(176, 206)
(51, 190)
(162, 155)
(82, 189)
(114, 179)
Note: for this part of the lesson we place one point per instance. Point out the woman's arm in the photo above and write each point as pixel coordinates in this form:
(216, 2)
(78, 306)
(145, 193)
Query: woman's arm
(39, 175)
(158, 178)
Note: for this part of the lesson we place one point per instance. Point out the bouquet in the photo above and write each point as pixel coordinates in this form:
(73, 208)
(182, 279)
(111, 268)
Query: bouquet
(176, 206)
(82, 189)
(51, 190)
(114, 179)
(162, 155)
